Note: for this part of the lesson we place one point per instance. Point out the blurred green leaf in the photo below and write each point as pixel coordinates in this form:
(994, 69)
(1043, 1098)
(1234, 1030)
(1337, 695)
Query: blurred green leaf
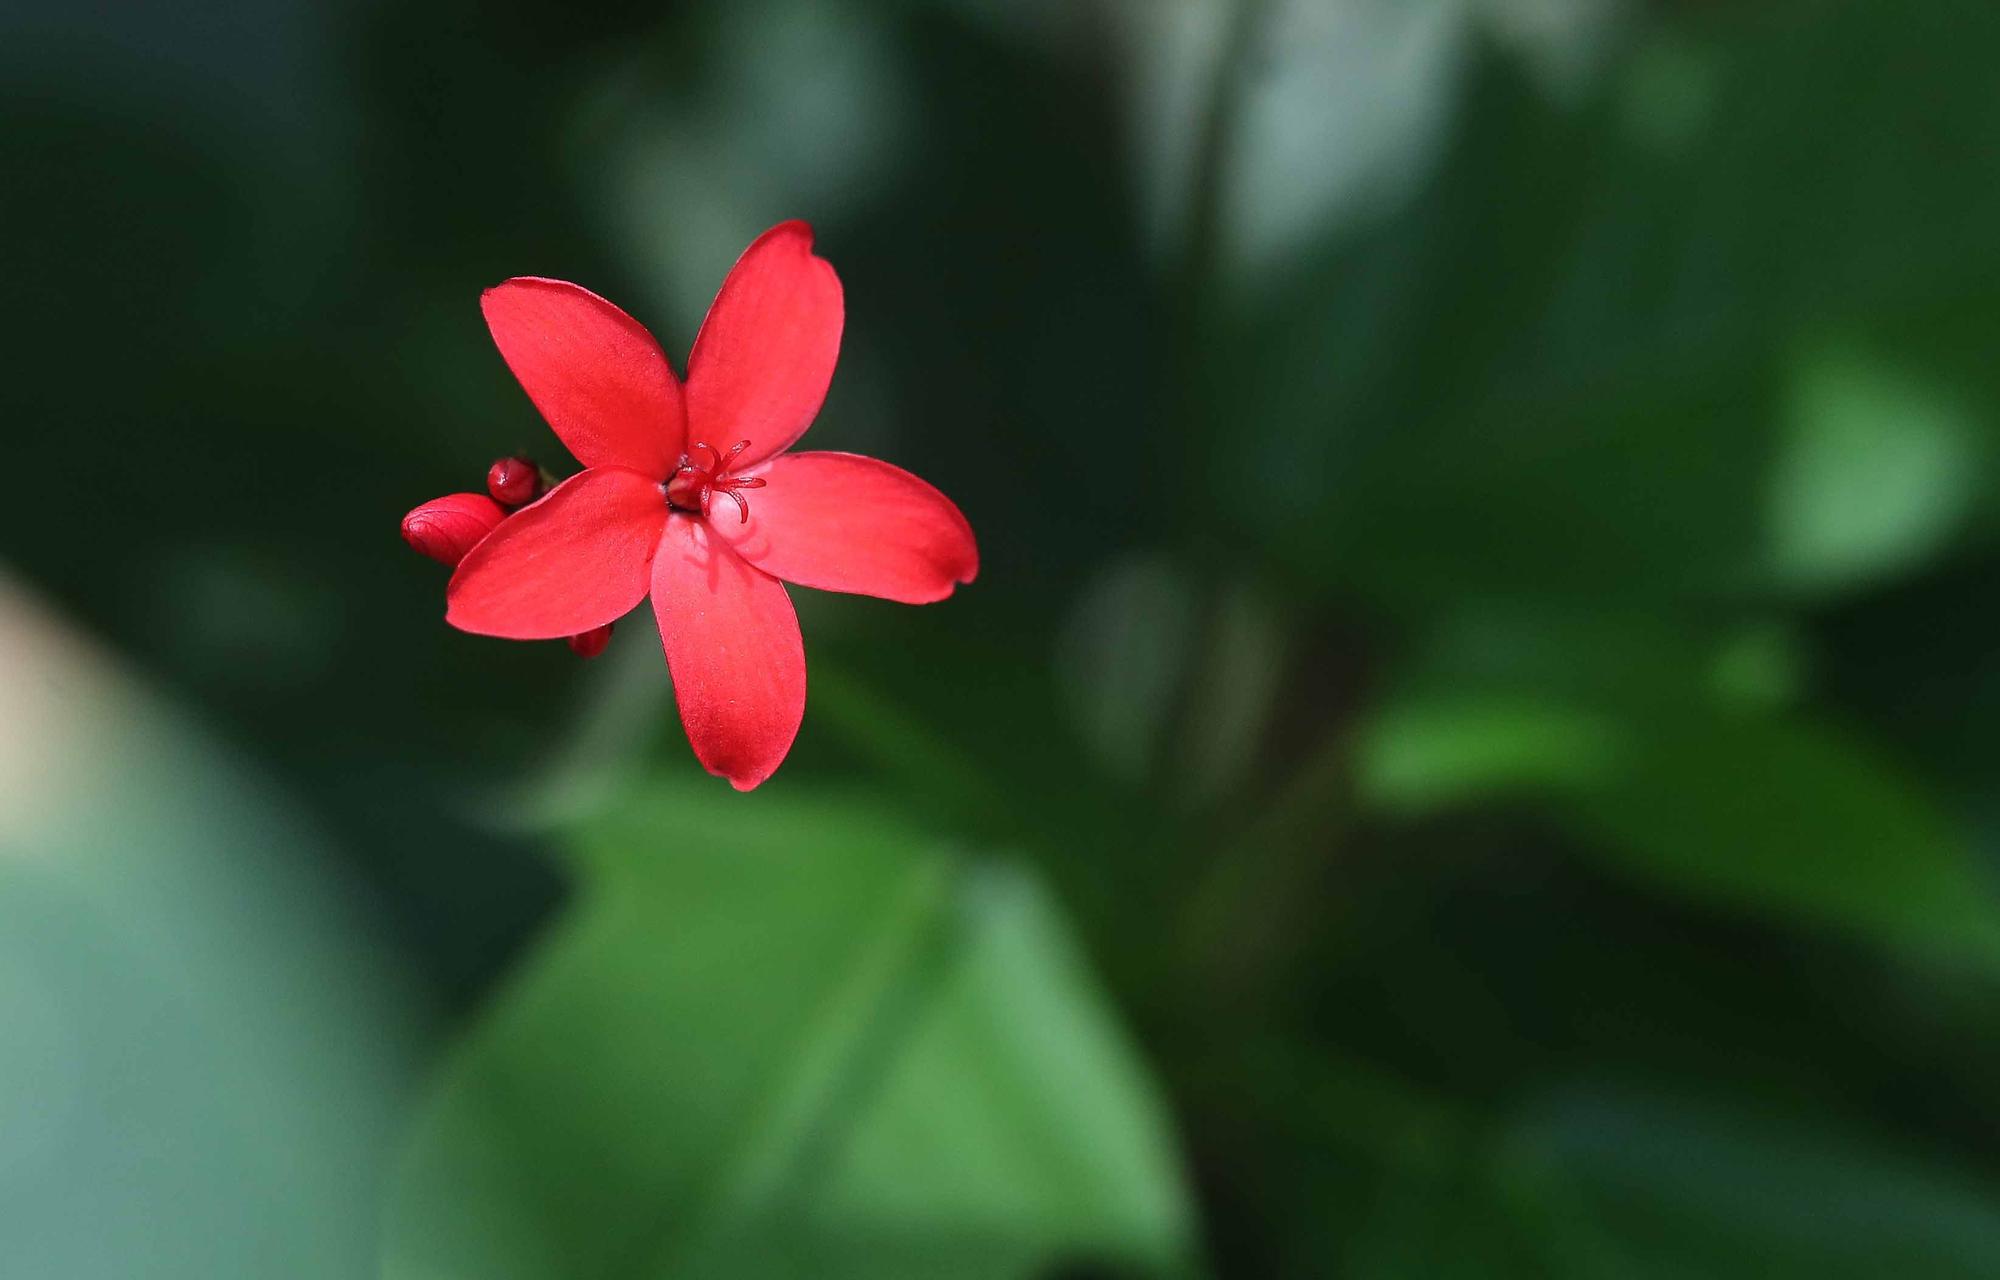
(1609, 1180)
(1736, 807)
(789, 1038)
(1879, 467)
(1561, 371)
(1621, 1182)
(1420, 756)
(1798, 820)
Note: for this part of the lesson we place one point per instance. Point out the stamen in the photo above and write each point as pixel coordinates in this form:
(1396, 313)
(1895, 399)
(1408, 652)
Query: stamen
(693, 486)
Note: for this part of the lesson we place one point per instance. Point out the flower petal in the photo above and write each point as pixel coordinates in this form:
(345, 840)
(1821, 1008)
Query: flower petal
(579, 558)
(842, 522)
(595, 373)
(733, 647)
(765, 354)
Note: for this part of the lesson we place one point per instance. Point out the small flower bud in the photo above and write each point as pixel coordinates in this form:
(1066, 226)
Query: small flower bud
(592, 642)
(514, 482)
(446, 528)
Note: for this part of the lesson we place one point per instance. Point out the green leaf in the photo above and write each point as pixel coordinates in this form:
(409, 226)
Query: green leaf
(1422, 755)
(789, 1038)
(1561, 373)
(1879, 467)
(1622, 1182)
(1745, 809)
(1797, 820)
(1606, 1179)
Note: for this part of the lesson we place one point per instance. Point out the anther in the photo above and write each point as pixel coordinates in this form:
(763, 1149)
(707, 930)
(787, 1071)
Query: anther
(693, 485)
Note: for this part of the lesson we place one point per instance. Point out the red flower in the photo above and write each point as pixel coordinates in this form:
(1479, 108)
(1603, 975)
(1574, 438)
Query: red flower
(687, 495)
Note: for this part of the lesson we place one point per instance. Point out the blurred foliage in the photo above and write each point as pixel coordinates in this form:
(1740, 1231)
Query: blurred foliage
(206, 1053)
(1472, 753)
(880, 1060)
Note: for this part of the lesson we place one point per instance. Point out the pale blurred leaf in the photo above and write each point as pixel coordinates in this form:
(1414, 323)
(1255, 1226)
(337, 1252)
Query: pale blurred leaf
(1344, 111)
(205, 1039)
(1123, 659)
(1878, 468)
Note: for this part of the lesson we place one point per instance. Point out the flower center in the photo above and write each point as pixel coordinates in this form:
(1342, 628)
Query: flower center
(693, 485)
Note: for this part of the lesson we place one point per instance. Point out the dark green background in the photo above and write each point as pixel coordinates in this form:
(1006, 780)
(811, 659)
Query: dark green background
(1472, 750)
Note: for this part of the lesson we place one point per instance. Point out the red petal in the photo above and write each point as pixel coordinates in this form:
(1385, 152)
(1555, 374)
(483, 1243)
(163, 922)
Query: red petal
(446, 528)
(765, 354)
(577, 559)
(595, 373)
(842, 522)
(733, 647)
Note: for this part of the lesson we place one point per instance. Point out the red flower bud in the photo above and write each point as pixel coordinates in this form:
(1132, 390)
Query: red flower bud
(592, 642)
(446, 528)
(514, 482)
